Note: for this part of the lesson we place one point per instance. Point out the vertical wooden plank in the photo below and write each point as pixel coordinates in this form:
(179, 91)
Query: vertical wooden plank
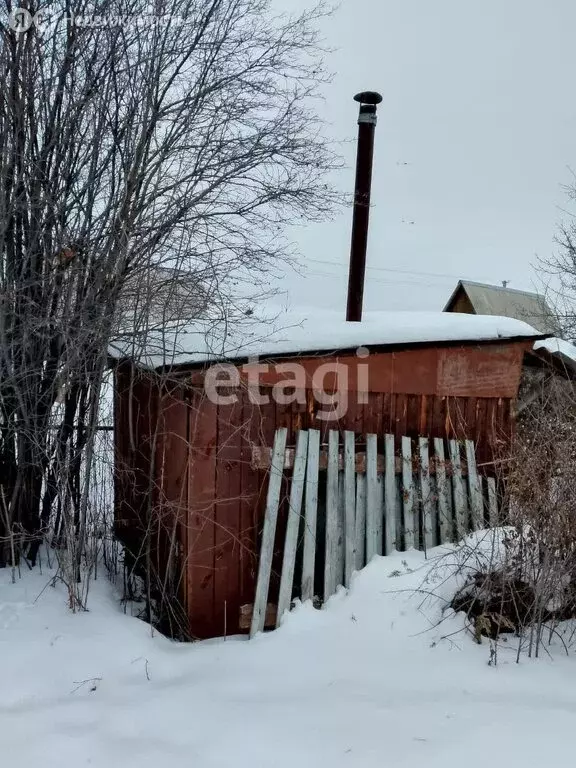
(269, 532)
(373, 506)
(331, 515)
(291, 540)
(445, 518)
(458, 490)
(461, 406)
(310, 515)
(203, 439)
(282, 418)
(228, 526)
(358, 425)
(500, 419)
(491, 423)
(360, 527)
(349, 506)
(509, 419)
(377, 415)
(412, 414)
(410, 536)
(267, 419)
(492, 502)
(249, 501)
(371, 414)
(401, 414)
(390, 495)
(424, 416)
(168, 526)
(400, 544)
(437, 426)
(475, 491)
(470, 416)
(381, 511)
(348, 421)
(387, 425)
(481, 442)
(426, 491)
(393, 415)
(339, 559)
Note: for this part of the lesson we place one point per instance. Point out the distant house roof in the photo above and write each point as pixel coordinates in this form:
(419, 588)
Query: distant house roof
(484, 299)
(320, 332)
(163, 294)
(158, 297)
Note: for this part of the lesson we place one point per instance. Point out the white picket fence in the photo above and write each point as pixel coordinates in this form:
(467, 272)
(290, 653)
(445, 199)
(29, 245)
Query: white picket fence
(415, 494)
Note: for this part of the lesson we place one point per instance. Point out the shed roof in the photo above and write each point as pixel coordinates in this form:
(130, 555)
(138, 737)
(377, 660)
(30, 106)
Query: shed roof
(564, 352)
(289, 334)
(505, 302)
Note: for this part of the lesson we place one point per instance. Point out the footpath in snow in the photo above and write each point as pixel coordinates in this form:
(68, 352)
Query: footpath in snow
(372, 680)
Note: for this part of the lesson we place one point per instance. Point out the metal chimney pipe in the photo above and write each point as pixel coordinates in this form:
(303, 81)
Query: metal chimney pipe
(366, 126)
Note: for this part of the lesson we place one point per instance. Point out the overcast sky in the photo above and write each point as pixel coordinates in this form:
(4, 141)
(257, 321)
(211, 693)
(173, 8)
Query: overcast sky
(475, 136)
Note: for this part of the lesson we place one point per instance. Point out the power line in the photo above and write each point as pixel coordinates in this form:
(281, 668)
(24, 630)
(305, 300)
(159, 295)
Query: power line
(375, 279)
(394, 270)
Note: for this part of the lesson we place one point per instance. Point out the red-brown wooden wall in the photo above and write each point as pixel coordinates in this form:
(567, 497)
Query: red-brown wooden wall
(185, 462)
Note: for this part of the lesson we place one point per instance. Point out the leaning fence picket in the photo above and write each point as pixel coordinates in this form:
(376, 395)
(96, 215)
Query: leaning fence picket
(492, 502)
(360, 526)
(340, 538)
(291, 538)
(476, 501)
(426, 491)
(399, 514)
(389, 494)
(458, 490)
(269, 531)
(381, 512)
(373, 507)
(410, 511)
(331, 515)
(443, 489)
(349, 506)
(310, 514)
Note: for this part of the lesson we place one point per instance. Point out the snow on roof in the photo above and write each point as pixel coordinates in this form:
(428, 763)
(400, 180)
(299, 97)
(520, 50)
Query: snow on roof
(289, 333)
(561, 349)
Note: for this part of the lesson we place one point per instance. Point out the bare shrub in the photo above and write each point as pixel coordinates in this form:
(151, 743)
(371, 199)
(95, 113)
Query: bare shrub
(529, 587)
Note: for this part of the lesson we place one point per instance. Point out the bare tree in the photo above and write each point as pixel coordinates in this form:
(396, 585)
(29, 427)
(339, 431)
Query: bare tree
(174, 138)
(559, 270)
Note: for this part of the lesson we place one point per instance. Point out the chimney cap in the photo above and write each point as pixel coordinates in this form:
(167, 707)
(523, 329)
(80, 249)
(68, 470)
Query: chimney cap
(368, 97)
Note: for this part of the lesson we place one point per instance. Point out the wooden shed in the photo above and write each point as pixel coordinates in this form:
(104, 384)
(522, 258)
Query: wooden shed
(190, 484)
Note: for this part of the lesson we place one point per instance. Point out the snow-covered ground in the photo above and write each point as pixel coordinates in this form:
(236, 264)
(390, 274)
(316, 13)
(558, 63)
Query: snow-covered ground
(371, 680)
